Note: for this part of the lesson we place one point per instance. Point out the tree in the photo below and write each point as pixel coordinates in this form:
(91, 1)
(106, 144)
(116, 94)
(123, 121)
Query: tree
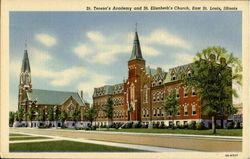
(171, 105)
(76, 116)
(91, 114)
(31, 115)
(213, 73)
(109, 109)
(11, 118)
(41, 115)
(19, 115)
(63, 117)
(57, 114)
(51, 116)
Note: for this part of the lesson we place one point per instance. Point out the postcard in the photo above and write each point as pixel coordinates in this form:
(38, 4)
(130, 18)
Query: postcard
(136, 79)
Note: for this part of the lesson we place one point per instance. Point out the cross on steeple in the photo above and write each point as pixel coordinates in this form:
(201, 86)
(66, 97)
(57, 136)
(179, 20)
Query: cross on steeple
(25, 44)
(136, 27)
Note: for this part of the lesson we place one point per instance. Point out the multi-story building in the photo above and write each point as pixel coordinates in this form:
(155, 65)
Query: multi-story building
(141, 96)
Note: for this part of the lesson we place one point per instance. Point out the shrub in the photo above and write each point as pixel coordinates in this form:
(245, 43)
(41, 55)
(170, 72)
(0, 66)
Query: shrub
(137, 125)
(230, 125)
(156, 125)
(238, 125)
(192, 125)
(209, 125)
(129, 125)
(145, 126)
(43, 127)
(200, 126)
(162, 126)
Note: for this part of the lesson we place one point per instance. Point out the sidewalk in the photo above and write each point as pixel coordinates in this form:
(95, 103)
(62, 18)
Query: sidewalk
(133, 146)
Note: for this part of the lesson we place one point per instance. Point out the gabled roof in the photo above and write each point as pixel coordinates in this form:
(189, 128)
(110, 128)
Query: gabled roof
(108, 90)
(51, 97)
(136, 52)
(25, 63)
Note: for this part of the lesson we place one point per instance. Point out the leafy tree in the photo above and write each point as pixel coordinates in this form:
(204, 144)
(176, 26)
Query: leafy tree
(63, 117)
(51, 116)
(76, 116)
(214, 71)
(109, 109)
(57, 114)
(19, 115)
(11, 118)
(41, 115)
(31, 115)
(91, 114)
(171, 104)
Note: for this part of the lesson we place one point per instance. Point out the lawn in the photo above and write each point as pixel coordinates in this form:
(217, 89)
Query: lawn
(222, 132)
(28, 138)
(18, 135)
(65, 146)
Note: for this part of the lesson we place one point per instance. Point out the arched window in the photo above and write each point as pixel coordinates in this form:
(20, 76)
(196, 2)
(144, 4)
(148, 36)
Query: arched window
(132, 92)
(145, 94)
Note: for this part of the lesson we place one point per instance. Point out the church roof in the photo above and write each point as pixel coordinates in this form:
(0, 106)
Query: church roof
(52, 97)
(26, 63)
(136, 51)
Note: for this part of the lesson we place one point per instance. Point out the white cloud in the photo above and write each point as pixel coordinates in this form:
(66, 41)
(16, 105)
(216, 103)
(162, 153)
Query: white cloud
(46, 39)
(101, 49)
(165, 38)
(96, 80)
(183, 58)
(82, 50)
(95, 36)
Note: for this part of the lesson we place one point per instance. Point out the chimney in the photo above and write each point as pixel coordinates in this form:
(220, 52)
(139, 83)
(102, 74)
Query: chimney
(159, 70)
(81, 94)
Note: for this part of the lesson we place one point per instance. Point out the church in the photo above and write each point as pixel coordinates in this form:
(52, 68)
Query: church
(45, 99)
(141, 96)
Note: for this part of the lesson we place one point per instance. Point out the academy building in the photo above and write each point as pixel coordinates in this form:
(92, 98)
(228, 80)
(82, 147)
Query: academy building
(141, 96)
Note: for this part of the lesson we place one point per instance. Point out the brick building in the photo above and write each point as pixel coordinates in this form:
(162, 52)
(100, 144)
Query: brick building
(141, 96)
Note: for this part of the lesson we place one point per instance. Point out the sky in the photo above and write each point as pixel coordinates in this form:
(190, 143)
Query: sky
(73, 51)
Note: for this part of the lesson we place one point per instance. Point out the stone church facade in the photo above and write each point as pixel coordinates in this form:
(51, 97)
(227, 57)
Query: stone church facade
(141, 96)
(29, 97)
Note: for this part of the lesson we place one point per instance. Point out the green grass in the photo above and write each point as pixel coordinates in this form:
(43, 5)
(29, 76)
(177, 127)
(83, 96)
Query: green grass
(65, 146)
(221, 132)
(28, 138)
(18, 135)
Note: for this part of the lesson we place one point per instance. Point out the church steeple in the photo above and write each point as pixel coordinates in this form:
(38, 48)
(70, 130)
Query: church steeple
(136, 51)
(25, 78)
(26, 63)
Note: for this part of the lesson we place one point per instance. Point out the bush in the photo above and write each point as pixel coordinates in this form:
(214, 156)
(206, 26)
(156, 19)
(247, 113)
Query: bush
(230, 125)
(238, 125)
(43, 127)
(156, 125)
(209, 125)
(145, 126)
(137, 125)
(128, 125)
(162, 126)
(200, 126)
(192, 125)
(79, 128)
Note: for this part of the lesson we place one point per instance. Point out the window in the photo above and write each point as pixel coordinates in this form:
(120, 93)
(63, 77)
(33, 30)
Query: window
(193, 92)
(186, 109)
(145, 94)
(185, 93)
(193, 109)
(132, 92)
(178, 123)
(154, 112)
(177, 93)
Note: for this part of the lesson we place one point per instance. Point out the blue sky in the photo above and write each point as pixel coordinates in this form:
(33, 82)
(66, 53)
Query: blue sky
(73, 51)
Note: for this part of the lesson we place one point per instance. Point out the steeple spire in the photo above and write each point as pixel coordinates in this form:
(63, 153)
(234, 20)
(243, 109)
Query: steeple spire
(26, 63)
(136, 51)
